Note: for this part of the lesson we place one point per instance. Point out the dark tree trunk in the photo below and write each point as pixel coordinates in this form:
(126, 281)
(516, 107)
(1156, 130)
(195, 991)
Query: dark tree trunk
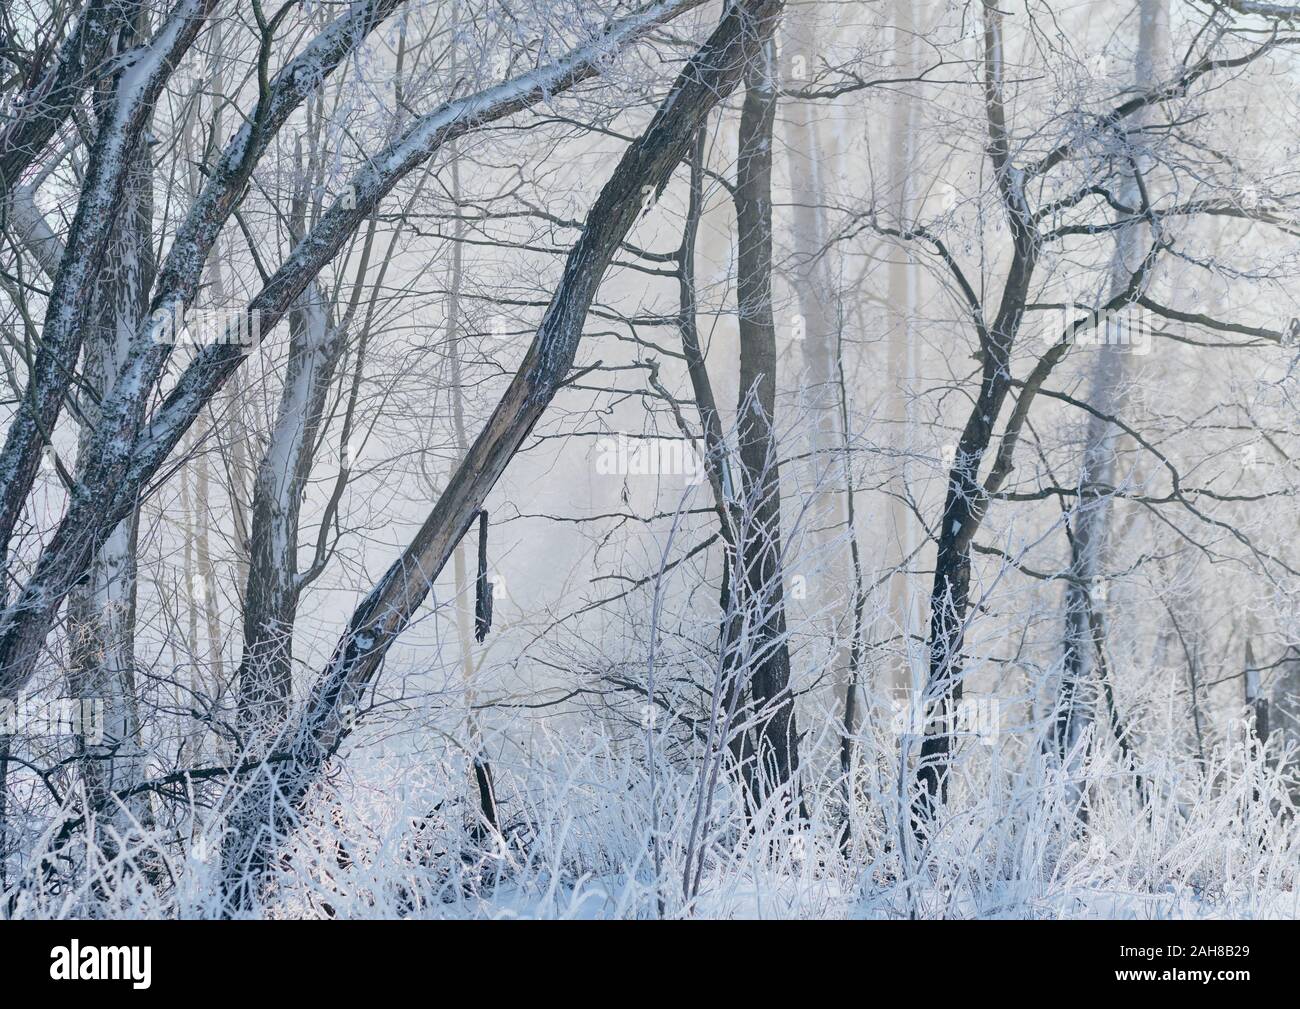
(758, 589)
(967, 497)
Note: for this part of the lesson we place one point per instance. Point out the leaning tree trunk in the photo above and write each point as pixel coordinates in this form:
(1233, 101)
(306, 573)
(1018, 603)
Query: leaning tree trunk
(125, 107)
(101, 607)
(124, 452)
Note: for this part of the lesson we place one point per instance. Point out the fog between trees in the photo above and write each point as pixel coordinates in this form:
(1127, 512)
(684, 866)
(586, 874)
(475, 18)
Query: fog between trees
(670, 459)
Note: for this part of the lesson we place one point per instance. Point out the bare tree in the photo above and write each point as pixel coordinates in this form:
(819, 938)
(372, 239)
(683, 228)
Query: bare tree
(335, 697)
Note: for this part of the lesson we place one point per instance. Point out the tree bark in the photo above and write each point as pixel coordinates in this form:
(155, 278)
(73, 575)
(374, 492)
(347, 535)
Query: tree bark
(763, 649)
(271, 594)
(903, 618)
(123, 121)
(101, 608)
(47, 104)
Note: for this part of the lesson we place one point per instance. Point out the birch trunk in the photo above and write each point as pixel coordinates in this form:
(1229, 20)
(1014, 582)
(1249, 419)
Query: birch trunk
(483, 779)
(817, 299)
(902, 618)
